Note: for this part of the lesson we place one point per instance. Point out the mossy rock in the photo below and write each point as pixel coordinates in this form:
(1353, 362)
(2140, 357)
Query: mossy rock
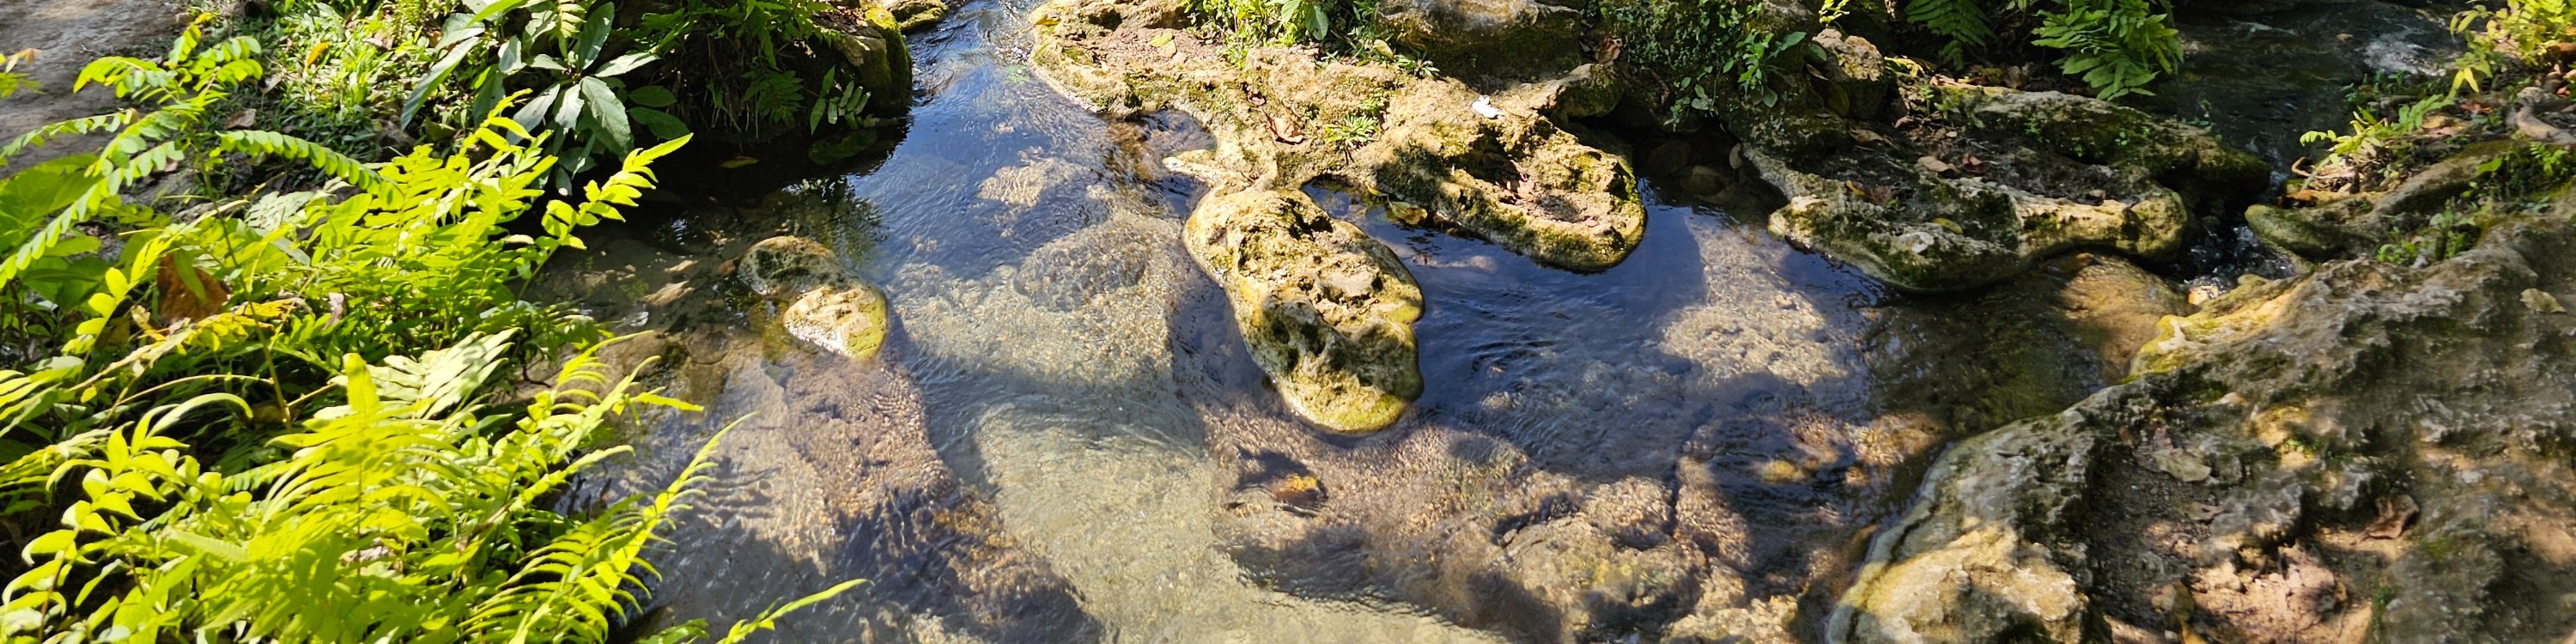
(825, 304)
(847, 318)
(1327, 312)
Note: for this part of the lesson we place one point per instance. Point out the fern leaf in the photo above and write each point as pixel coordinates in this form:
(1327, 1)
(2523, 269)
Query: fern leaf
(1962, 21)
(86, 125)
(263, 142)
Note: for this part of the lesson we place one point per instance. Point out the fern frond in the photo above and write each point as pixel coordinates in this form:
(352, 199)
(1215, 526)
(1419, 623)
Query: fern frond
(1962, 21)
(263, 142)
(577, 583)
(78, 126)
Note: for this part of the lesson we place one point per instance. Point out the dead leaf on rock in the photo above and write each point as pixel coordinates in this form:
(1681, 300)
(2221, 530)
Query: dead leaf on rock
(1285, 129)
(1936, 165)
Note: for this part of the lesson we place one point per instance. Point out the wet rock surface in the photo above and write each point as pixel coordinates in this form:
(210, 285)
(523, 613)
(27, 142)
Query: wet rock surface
(1327, 312)
(825, 304)
(2365, 450)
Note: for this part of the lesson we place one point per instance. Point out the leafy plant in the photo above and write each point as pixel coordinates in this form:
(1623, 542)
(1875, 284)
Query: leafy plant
(565, 44)
(181, 89)
(2116, 46)
(1703, 50)
(397, 505)
(1962, 22)
(11, 80)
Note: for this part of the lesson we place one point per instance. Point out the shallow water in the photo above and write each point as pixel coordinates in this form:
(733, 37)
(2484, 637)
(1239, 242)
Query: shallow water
(1045, 449)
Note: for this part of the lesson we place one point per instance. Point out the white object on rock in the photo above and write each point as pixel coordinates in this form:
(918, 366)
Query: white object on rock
(1485, 108)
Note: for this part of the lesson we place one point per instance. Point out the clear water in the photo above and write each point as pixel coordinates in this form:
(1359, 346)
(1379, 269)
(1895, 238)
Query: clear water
(1040, 454)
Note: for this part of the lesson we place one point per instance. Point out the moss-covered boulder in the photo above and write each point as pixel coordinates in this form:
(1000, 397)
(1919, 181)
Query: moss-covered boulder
(869, 42)
(2016, 177)
(2366, 452)
(826, 305)
(1327, 312)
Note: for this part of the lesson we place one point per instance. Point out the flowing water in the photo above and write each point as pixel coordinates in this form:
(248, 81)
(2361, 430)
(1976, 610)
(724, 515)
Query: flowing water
(1041, 453)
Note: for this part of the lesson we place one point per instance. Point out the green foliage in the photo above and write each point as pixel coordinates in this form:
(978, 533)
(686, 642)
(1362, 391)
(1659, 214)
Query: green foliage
(1702, 50)
(273, 417)
(560, 50)
(2116, 46)
(2518, 36)
(731, 54)
(11, 80)
(2372, 136)
(1962, 22)
(171, 130)
(1280, 21)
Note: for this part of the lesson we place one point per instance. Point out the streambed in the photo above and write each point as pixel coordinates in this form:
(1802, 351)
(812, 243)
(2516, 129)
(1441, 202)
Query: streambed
(1065, 439)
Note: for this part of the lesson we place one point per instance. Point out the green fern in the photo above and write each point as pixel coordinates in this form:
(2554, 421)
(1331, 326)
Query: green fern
(1963, 22)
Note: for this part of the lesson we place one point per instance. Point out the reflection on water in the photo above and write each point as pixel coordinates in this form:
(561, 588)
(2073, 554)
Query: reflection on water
(1057, 441)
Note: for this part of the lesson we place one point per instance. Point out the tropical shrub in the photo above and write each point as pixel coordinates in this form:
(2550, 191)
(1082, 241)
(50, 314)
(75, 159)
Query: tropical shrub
(273, 416)
(1703, 50)
(2116, 46)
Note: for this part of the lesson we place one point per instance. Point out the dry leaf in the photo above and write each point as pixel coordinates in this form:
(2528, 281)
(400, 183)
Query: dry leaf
(1286, 130)
(189, 293)
(1935, 165)
(247, 118)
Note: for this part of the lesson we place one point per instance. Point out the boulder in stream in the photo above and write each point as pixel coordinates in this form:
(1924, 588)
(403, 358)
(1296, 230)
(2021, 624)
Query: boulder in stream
(1327, 311)
(826, 304)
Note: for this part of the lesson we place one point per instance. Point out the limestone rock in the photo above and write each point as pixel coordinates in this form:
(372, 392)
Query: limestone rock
(2061, 172)
(2240, 486)
(848, 318)
(783, 267)
(870, 43)
(1327, 311)
(1504, 172)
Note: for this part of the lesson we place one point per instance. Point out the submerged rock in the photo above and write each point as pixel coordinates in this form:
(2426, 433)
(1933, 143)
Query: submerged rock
(2363, 452)
(826, 304)
(1326, 311)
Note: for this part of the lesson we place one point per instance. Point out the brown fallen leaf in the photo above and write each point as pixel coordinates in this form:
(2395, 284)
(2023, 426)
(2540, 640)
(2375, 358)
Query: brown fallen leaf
(249, 116)
(1285, 129)
(189, 293)
(1972, 164)
(1936, 165)
(1867, 137)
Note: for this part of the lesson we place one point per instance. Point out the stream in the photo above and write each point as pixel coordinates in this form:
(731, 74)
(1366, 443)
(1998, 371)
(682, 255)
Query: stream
(1052, 445)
